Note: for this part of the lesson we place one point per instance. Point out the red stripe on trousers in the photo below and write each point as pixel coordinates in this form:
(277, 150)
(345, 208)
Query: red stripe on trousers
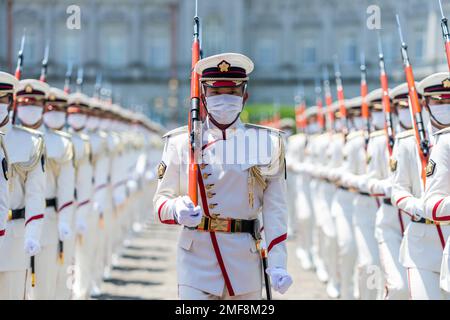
(441, 236)
(169, 221)
(213, 236)
(276, 241)
(36, 217)
(436, 206)
(402, 226)
(83, 203)
(65, 205)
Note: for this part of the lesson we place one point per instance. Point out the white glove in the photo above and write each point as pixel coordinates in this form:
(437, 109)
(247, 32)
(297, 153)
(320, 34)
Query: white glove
(185, 212)
(417, 208)
(64, 231)
(280, 279)
(81, 226)
(32, 247)
(387, 188)
(119, 199)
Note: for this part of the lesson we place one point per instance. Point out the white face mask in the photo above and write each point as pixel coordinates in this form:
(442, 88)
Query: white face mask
(224, 108)
(358, 123)
(378, 119)
(55, 119)
(3, 111)
(30, 115)
(313, 128)
(441, 113)
(338, 124)
(404, 116)
(105, 124)
(77, 120)
(92, 123)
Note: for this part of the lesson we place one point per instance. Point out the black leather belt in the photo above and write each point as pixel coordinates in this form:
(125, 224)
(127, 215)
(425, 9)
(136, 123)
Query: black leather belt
(387, 201)
(51, 203)
(343, 188)
(424, 220)
(16, 214)
(364, 193)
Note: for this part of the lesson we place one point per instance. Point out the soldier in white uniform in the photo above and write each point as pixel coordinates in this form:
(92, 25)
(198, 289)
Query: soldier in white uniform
(342, 204)
(364, 206)
(59, 186)
(296, 159)
(437, 192)
(436, 97)
(100, 168)
(60, 189)
(26, 151)
(422, 245)
(8, 85)
(85, 220)
(390, 222)
(217, 257)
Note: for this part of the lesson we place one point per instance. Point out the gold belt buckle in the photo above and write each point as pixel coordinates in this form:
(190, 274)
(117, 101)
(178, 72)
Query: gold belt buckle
(219, 225)
(9, 215)
(428, 221)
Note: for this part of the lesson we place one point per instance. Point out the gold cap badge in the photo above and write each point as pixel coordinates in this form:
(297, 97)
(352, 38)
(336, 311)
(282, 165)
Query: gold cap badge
(224, 66)
(28, 89)
(446, 83)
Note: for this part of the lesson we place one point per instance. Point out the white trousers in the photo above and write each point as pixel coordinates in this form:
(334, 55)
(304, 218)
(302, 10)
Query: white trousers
(396, 287)
(370, 280)
(342, 209)
(46, 269)
(66, 272)
(190, 293)
(13, 285)
(424, 285)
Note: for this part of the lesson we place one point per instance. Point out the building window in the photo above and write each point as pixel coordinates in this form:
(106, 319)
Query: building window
(70, 47)
(419, 47)
(214, 37)
(158, 47)
(309, 52)
(114, 48)
(350, 51)
(266, 53)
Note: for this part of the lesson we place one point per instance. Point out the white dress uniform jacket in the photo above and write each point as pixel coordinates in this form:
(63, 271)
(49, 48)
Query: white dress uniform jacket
(211, 261)
(26, 150)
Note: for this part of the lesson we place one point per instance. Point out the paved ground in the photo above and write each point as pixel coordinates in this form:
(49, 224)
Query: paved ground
(146, 269)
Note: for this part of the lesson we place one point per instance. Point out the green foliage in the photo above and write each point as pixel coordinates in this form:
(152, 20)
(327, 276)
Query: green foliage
(256, 112)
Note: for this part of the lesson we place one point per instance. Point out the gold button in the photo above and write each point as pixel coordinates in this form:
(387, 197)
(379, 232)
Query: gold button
(203, 166)
(210, 194)
(205, 176)
(209, 186)
(212, 205)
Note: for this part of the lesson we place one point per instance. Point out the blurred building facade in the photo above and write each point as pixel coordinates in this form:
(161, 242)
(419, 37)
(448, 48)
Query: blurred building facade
(142, 47)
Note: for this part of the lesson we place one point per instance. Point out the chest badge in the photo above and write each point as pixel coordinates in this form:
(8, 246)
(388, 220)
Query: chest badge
(393, 164)
(161, 169)
(431, 166)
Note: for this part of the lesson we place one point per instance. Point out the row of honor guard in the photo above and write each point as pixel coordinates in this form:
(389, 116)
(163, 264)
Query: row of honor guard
(69, 192)
(366, 222)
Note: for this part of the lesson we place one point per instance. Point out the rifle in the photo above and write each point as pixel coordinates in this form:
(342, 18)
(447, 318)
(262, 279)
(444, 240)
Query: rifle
(445, 34)
(194, 121)
(18, 73)
(340, 95)
(68, 77)
(319, 103)
(388, 126)
(364, 104)
(419, 128)
(44, 67)
(328, 98)
(300, 111)
(80, 74)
